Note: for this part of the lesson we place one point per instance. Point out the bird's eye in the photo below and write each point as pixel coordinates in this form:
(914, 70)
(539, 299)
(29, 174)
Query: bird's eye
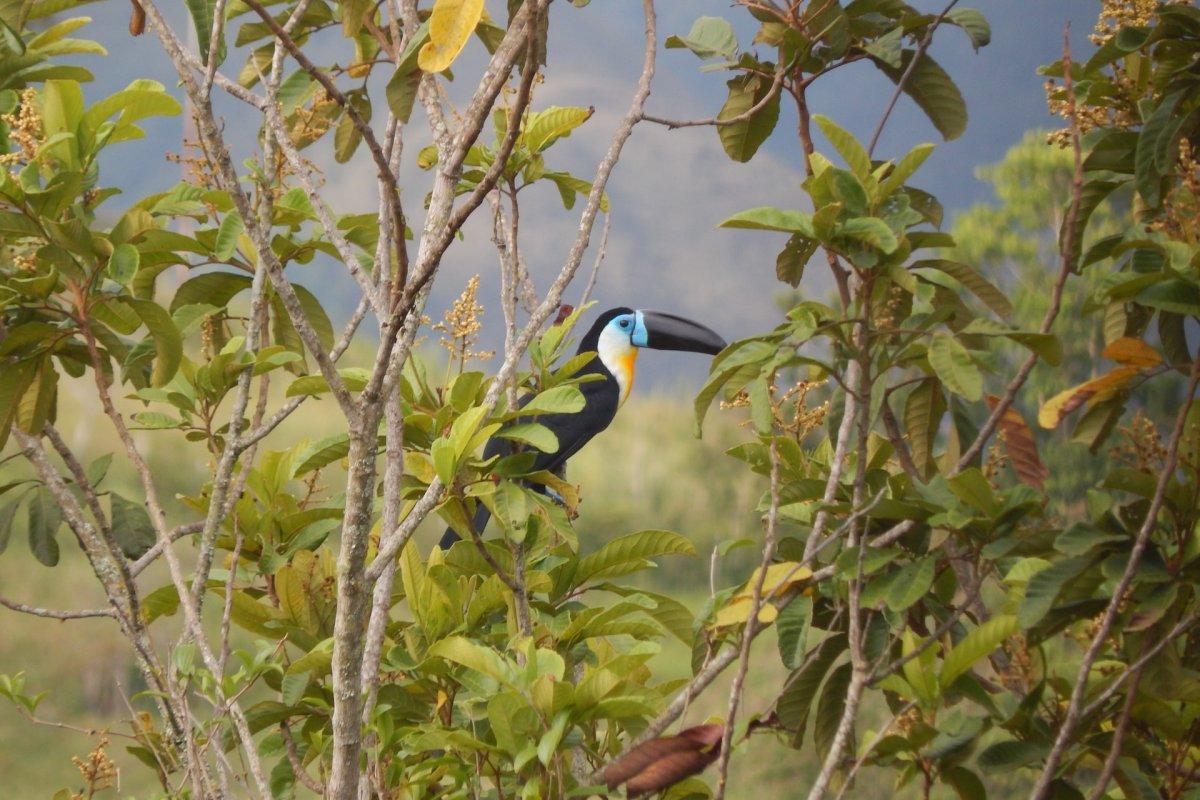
(624, 323)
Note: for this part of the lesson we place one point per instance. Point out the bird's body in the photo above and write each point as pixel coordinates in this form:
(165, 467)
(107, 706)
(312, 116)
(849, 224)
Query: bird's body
(615, 338)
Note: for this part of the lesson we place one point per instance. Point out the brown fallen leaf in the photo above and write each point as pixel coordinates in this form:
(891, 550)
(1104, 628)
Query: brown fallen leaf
(1021, 447)
(659, 763)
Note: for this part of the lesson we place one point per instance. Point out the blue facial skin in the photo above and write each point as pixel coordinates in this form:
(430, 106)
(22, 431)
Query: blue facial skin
(634, 326)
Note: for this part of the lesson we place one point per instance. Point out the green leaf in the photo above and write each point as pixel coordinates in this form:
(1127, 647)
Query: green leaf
(966, 784)
(316, 316)
(474, 656)
(123, 263)
(923, 411)
(543, 128)
(976, 645)
(953, 365)
(401, 93)
(791, 627)
(1156, 147)
(551, 738)
(168, 344)
(1045, 586)
(231, 228)
(768, 218)
(629, 552)
(887, 48)
(847, 146)
(556, 400)
(911, 584)
(1009, 755)
(795, 255)
(211, 288)
(1177, 296)
(904, 169)
(979, 286)
(796, 701)
(742, 139)
(354, 378)
(44, 519)
(131, 526)
(974, 23)
(829, 708)
(7, 514)
(1090, 197)
(872, 231)
(202, 12)
(933, 91)
(1045, 345)
(709, 37)
(533, 434)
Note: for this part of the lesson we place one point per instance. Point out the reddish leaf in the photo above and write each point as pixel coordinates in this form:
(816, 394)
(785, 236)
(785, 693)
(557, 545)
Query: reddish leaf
(1021, 447)
(564, 311)
(659, 763)
(137, 19)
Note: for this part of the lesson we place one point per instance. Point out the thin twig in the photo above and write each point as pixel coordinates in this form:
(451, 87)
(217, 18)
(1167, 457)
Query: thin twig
(756, 597)
(772, 93)
(865, 754)
(1066, 263)
(87, 613)
(926, 40)
(1118, 740)
(293, 756)
(1171, 635)
(601, 252)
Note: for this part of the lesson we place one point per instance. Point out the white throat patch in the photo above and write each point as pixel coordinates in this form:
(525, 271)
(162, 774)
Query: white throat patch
(618, 356)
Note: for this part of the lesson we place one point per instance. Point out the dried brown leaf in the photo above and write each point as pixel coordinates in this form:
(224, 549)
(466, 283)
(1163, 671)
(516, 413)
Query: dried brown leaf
(659, 763)
(1021, 447)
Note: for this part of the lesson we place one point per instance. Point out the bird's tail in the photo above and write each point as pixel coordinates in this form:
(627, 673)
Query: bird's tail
(482, 515)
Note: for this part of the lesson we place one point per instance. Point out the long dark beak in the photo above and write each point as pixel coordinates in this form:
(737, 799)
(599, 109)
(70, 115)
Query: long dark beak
(662, 331)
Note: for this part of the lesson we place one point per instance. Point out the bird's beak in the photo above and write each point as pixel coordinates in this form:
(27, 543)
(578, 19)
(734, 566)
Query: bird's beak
(662, 331)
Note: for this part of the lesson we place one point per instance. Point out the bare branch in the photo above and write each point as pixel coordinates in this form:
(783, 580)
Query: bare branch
(1118, 740)
(293, 755)
(772, 93)
(601, 251)
(52, 614)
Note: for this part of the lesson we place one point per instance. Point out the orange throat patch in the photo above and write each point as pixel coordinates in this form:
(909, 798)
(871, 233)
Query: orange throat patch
(623, 370)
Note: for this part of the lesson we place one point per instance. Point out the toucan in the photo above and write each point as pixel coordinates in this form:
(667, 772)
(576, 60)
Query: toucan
(615, 337)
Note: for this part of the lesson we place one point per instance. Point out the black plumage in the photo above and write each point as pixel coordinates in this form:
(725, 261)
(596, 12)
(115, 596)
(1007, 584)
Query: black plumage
(601, 399)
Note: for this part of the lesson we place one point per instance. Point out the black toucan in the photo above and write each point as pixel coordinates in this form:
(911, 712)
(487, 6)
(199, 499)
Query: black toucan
(615, 338)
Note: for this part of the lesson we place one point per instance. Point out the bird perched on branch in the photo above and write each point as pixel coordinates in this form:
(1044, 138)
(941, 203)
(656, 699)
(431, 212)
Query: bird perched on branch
(615, 337)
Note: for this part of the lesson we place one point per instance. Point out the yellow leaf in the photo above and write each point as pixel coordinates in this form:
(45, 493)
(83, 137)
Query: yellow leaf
(1132, 353)
(780, 577)
(1094, 391)
(450, 26)
(738, 611)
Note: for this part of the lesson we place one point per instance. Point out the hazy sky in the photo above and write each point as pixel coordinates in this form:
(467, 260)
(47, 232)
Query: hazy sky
(671, 188)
